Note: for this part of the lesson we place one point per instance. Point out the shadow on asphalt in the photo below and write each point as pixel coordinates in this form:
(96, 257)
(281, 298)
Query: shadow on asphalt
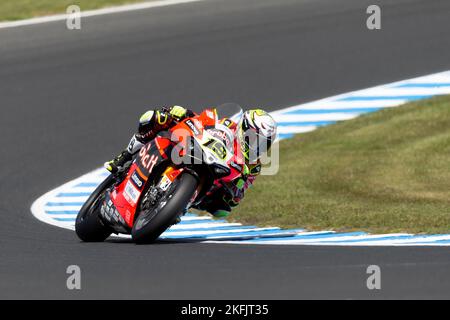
(158, 242)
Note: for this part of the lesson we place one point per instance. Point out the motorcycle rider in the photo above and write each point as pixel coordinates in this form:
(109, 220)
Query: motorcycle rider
(256, 130)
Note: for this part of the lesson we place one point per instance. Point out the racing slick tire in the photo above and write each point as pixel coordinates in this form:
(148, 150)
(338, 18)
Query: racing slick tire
(149, 225)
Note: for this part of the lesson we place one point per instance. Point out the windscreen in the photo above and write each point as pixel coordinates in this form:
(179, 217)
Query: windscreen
(230, 110)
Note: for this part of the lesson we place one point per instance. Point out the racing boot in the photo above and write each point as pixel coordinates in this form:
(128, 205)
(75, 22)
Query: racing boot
(114, 165)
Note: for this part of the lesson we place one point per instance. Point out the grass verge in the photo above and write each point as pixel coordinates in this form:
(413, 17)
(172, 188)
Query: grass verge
(387, 171)
(22, 9)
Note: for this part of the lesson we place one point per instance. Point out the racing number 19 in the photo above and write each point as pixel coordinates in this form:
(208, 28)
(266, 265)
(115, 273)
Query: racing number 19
(217, 147)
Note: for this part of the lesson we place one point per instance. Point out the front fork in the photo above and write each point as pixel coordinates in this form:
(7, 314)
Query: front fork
(171, 173)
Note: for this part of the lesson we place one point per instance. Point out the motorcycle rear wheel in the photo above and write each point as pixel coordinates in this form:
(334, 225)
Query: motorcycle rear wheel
(88, 225)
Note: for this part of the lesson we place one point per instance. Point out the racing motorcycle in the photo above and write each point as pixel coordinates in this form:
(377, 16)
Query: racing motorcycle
(169, 175)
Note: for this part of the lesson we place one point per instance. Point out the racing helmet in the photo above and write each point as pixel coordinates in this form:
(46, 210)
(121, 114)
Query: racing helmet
(255, 133)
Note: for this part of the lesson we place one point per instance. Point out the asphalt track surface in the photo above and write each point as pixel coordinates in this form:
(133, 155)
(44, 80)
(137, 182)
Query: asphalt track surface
(70, 100)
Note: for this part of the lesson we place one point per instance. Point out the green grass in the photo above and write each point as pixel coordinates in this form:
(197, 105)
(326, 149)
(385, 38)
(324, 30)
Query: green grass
(387, 171)
(22, 9)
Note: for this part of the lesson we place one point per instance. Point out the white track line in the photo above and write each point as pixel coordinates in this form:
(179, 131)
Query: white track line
(293, 129)
(315, 117)
(213, 232)
(327, 105)
(405, 91)
(97, 12)
(432, 78)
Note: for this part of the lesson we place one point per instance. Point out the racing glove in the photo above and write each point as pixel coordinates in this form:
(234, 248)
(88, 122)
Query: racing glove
(178, 112)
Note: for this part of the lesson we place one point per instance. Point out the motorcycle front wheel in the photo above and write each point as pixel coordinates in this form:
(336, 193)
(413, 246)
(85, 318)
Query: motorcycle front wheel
(150, 224)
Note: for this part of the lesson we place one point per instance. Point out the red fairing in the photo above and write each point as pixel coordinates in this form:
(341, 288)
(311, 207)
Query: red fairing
(127, 194)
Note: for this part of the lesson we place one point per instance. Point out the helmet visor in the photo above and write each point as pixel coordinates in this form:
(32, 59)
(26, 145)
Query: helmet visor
(253, 144)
